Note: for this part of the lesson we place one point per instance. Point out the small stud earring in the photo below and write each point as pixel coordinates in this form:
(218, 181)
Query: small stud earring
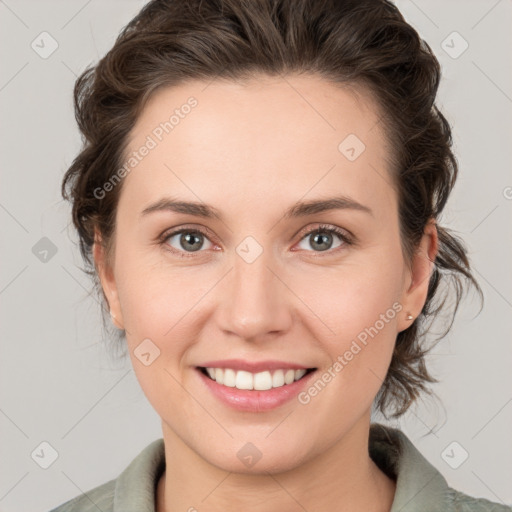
(409, 317)
(114, 320)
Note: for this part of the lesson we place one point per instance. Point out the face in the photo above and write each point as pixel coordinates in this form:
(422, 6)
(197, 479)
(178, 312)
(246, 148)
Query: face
(262, 279)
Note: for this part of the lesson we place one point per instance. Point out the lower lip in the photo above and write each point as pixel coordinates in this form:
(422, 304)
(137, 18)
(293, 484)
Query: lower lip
(252, 400)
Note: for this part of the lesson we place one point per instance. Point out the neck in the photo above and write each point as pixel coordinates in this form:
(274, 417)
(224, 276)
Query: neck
(342, 478)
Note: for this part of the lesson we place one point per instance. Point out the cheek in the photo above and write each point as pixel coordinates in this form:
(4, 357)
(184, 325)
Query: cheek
(155, 296)
(160, 320)
(363, 315)
(356, 313)
(350, 298)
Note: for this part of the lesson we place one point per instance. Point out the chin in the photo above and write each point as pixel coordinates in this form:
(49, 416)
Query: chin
(257, 457)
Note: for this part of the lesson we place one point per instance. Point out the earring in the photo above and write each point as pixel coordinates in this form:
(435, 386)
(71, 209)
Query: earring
(114, 320)
(409, 317)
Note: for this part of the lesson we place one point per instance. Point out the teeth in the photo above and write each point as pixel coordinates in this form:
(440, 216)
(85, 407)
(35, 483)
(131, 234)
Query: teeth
(299, 374)
(257, 381)
(278, 379)
(289, 376)
(229, 378)
(262, 381)
(243, 380)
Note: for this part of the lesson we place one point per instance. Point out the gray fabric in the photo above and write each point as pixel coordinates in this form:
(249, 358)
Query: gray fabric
(419, 485)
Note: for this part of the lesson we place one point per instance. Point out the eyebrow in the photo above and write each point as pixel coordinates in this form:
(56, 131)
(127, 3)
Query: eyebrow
(299, 209)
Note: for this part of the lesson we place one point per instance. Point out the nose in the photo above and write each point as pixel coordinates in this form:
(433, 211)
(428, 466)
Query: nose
(254, 301)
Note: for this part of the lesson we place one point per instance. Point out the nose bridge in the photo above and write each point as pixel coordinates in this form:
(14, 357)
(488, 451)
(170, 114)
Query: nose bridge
(254, 301)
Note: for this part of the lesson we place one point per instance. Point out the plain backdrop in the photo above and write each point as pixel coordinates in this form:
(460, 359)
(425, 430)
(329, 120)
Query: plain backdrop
(57, 382)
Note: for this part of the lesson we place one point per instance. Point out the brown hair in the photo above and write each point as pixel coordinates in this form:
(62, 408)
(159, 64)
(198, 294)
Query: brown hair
(358, 42)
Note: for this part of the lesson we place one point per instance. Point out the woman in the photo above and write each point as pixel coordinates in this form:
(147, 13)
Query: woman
(258, 197)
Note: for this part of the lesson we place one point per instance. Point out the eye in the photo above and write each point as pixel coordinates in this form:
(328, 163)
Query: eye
(190, 240)
(321, 238)
(187, 240)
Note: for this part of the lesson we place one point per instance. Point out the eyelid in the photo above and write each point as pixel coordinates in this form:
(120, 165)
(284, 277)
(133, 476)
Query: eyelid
(344, 234)
(175, 231)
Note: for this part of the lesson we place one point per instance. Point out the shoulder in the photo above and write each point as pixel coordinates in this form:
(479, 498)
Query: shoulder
(463, 503)
(99, 498)
(133, 489)
(420, 487)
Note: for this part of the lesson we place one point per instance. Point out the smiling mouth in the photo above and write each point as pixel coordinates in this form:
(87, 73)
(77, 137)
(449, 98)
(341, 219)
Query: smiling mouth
(261, 381)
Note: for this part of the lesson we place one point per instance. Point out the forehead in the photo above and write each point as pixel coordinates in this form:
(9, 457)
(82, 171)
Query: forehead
(266, 138)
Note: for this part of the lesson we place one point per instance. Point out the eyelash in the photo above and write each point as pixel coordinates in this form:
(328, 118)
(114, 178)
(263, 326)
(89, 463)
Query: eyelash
(323, 228)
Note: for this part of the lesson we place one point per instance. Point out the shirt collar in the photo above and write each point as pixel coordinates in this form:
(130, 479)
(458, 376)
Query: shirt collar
(419, 486)
(136, 485)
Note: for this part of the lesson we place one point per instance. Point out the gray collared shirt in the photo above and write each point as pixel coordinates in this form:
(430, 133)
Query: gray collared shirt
(419, 486)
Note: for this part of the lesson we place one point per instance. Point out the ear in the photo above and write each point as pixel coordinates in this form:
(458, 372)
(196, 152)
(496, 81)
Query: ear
(417, 279)
(108, 284)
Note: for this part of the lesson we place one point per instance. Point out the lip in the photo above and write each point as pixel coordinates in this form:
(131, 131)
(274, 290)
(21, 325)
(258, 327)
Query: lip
(253, 366)
(254, 400)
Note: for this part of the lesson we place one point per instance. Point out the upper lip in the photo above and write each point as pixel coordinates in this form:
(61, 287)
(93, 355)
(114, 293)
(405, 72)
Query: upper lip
(253, 366)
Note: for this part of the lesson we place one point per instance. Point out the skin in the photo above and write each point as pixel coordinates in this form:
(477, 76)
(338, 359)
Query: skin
(252, 150)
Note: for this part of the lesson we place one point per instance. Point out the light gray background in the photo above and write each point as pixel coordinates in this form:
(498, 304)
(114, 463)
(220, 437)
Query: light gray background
(58, 384)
